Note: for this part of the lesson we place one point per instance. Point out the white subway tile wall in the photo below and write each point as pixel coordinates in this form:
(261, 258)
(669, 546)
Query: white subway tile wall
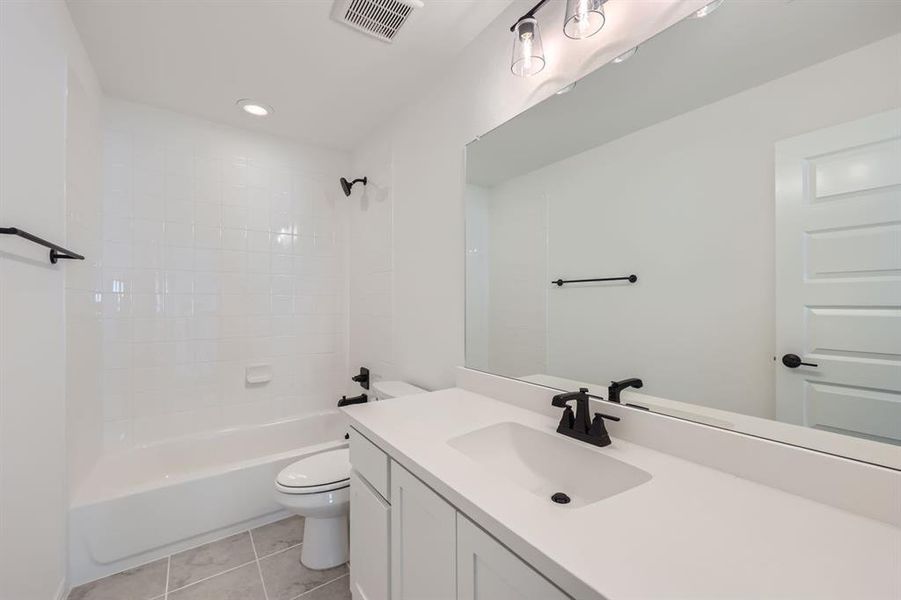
(210, 250)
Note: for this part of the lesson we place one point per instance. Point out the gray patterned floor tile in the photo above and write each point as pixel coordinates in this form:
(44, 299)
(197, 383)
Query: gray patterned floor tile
(210, 559)
(243, 583)
(278, 536)
(336, 590)
(141, 583)
(286, 578)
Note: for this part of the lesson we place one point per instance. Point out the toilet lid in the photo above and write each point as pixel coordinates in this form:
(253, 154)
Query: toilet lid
(318, 473)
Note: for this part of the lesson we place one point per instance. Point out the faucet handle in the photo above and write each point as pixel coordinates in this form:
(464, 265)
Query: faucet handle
(598, 430)
(603, 416)
(561, 400)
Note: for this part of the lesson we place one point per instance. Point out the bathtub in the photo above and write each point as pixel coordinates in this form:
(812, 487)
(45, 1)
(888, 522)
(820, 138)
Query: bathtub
(151, 501)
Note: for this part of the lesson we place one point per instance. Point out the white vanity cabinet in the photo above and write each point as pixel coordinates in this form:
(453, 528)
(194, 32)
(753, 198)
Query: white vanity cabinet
(411, 544)
(370, 520)
(486, 569)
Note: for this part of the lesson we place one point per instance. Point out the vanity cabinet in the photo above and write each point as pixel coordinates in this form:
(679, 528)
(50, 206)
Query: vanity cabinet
(423, 540)
(486, 569)
(370, 523)
(411, 544)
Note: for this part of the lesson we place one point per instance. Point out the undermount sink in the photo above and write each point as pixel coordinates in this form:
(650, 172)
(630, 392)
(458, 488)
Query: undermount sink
(545, 464)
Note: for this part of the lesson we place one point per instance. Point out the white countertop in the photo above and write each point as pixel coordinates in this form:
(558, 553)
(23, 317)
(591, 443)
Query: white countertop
(690, 532)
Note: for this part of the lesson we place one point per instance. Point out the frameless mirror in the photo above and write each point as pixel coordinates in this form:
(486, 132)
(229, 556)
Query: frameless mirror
(719, 216)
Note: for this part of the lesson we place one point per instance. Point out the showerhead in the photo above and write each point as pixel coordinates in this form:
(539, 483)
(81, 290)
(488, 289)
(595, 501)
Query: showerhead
(346, 186)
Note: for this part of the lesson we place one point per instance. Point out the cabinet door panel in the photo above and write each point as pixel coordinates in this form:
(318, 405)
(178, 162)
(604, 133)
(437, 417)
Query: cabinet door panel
(487, 570)
(423, 541)
(369, 529)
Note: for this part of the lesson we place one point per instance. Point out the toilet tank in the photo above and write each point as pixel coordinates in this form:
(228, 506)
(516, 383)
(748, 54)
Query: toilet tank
(382, 390)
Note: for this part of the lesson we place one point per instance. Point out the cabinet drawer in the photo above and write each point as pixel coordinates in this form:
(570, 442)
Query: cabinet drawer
(370, 462)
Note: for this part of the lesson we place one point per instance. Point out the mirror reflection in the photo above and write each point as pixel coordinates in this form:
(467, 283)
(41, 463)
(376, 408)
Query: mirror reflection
(731, 190)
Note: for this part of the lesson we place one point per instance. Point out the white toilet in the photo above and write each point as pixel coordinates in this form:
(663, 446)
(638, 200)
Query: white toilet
(318, 488)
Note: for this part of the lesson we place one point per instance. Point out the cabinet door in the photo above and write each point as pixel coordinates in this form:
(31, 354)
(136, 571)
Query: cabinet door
(423, 541)
(486, 569)
(369, 519)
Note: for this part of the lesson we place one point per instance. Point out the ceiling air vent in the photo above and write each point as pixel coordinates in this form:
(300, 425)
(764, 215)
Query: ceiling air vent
(381, 19)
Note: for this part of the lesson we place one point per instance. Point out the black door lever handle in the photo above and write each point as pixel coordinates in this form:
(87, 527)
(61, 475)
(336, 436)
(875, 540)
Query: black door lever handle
(793, 361)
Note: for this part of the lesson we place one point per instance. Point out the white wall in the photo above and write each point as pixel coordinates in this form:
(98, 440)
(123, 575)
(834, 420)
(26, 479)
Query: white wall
(212, 249)
(41, 59)
(426, 148)
(371, 266)
(689, 205)
(508, 289)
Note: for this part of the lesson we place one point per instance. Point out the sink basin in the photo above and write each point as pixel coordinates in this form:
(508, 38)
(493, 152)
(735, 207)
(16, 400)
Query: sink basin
(546, 464)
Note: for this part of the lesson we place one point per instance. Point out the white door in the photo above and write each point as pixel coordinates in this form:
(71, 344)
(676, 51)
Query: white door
(369, 530)
(423, 541)
(838, 277)
(487, 570)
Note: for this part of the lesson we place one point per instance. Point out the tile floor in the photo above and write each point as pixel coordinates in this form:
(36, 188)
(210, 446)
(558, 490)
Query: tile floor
(259, 564)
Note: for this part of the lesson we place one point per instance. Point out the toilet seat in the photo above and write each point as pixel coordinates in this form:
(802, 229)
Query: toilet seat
(320, 473)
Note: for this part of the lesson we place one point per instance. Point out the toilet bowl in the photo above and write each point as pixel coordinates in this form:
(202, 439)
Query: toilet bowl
(318, 488)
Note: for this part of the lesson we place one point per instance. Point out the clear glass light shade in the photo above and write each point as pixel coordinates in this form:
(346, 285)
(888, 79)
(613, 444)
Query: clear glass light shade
(528, 54)
(583, 19)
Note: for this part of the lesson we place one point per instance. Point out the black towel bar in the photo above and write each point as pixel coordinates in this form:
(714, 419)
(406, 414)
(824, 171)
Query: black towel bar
(630, 278)
(56, 252)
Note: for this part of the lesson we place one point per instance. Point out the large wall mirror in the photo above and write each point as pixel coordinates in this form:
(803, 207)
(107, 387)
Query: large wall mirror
(746, 169)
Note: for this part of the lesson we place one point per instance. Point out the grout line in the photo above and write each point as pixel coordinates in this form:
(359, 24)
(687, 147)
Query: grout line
(193, 583)
(320, 586)
(259, 568)
(280, 551)
(168, 567)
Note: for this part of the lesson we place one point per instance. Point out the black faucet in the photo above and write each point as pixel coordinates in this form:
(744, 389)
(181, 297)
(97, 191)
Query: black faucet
(345, 401)
(362, 378)
(578, 425)
(617, 386)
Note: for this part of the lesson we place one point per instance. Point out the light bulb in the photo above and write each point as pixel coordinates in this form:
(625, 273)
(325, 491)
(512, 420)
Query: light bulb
(528, 53)
(257, 109)
(583, 18)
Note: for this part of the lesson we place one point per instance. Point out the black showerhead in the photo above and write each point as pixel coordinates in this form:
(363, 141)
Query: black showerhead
(347, 186)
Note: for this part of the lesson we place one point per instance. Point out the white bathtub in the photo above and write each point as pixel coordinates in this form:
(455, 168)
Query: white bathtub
(144, 504)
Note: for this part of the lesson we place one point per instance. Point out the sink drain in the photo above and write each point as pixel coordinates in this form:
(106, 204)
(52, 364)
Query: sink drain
(560, 498)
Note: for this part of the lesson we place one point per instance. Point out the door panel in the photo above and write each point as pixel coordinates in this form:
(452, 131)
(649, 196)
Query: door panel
(423, 541)
(488, 571)
(855, 410)
(369, 530)
(869, 166)
(838, 277)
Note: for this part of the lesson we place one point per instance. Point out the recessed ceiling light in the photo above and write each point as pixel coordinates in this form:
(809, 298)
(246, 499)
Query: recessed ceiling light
(626, 55)
(705, 12)
(252, 107)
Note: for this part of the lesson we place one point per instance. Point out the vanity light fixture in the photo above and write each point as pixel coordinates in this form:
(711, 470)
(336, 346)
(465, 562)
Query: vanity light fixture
(625, 55)
(707, 10)
(583, 18)
(252, 107)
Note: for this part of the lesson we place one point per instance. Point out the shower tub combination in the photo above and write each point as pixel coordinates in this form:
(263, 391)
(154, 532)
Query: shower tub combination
(151, 501)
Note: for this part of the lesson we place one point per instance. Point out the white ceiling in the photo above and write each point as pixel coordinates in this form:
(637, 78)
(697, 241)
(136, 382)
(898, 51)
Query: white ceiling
(698, 61)
(329, 84)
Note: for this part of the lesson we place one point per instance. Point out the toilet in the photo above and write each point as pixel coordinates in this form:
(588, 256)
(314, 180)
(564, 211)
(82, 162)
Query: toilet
(318, 488)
